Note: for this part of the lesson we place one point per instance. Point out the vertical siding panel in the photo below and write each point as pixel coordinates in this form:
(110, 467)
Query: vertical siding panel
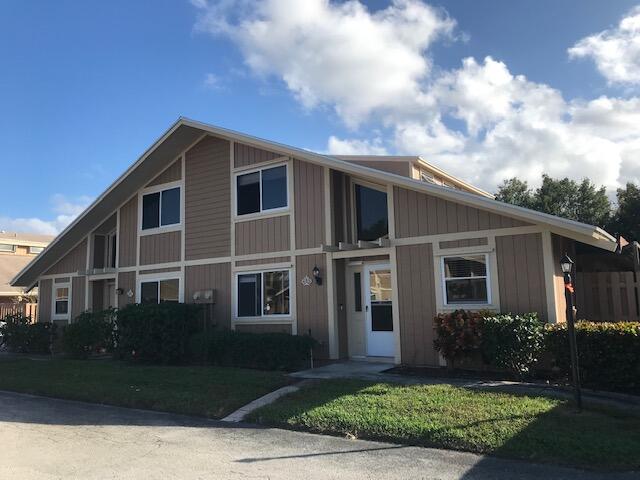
(215, 277)
(77, 296)
(72, 262)
(44, 300)
(127, 236)
(126, 281)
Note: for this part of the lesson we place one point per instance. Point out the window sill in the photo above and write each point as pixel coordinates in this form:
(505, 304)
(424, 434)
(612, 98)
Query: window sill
(270, 319)
(167, 229)
(469, 306)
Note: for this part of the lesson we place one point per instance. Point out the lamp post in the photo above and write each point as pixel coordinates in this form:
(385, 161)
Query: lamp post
(567, 267)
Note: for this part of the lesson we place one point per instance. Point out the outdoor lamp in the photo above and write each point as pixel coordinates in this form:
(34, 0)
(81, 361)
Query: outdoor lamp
(316, 275)
(566, 264)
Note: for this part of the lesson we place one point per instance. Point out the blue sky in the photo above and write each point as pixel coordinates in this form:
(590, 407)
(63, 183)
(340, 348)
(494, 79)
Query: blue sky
(85, 87)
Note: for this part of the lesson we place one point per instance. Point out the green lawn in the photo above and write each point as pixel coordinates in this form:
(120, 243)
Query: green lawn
(205, 391)
(526, 427)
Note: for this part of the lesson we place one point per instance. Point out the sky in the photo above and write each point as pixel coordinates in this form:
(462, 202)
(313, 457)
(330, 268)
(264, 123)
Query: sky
(486, 90)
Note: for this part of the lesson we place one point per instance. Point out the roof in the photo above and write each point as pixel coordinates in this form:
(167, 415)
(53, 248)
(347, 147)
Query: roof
(9, 266)
(25, 239)
(185, 132)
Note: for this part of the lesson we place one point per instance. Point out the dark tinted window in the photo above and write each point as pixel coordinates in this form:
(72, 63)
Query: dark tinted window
(249, 298)
(149, 292)
(381, 317)
(170, 206)
(357, 289)
(371, 213)
(248, 193)
(151, 210)
(274, 188)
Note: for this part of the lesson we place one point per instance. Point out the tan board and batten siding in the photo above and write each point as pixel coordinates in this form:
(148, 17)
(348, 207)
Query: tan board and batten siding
(246, 155)
(127, 236)
(311, 302)
(160, 248)
(308, 184)
(207, 200)
(264, 328)
(211, 277)
(127, 282)
(72, 262)
(78, 285)
(419, 214)
(521, 274)
(263, 235)
(173, 173)
(44, 300)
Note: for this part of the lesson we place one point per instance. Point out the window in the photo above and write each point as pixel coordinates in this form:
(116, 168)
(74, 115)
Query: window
(465, 279)
(260, 191)
(263, 294)
(7, 247)
(35, 250)
(110, 250)
(60, 301)
(160, 209)
(160, 291)
(372, 220)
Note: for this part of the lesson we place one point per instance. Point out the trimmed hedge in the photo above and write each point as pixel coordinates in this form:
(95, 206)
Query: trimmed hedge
(90, 332)
(458, 334)
(513, 343)
(20, 335)
(608, 353)
(156, 333)
(266, 351)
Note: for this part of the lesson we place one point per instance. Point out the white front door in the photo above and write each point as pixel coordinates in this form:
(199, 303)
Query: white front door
(380, 334)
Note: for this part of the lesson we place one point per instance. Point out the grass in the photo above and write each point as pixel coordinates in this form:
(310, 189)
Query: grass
(211, 392)
(534, 428)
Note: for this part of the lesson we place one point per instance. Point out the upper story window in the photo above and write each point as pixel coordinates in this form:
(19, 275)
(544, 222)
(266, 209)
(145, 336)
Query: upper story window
(35, 250)
(161, 208)
(466, 279)
(7, 247)
(263, 294)
(262, 190)
(372, 217)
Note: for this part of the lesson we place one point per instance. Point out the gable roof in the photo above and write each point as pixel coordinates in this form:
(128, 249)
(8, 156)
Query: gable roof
(185, 133)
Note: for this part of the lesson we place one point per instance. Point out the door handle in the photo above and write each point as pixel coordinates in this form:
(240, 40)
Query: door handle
(366, 308)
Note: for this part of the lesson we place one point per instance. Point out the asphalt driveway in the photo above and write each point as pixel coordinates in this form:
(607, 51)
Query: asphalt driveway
(53, 439)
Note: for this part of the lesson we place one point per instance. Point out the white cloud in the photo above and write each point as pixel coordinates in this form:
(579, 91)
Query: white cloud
(212, 81)
(65, 211)
(340, 54)
(616, 51)
(480, 121)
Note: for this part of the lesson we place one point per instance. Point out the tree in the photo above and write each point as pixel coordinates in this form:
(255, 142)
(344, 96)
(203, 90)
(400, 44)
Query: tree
(626, 220)
(583, 202)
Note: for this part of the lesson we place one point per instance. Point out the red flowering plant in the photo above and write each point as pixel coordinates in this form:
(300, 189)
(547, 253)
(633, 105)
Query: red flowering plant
(458, 334)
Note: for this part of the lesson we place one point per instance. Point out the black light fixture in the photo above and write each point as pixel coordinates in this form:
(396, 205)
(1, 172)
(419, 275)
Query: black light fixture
(566, 264)
(316, 275)
(119, 291)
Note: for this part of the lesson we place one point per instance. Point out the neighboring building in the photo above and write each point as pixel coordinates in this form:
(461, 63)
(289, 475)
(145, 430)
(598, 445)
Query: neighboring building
(283, 239)
(16, 251)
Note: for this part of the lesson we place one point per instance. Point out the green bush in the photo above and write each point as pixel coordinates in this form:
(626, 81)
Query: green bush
(90, 332)
(513, 343)
(21, 335)
(156, 333)
(266, 351)
(458, 334)
(608, 354)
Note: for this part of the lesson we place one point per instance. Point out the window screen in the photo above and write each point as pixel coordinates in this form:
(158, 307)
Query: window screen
(274, 188)
(465, 279)
(249, 295)
(151, 211)
(262, 190)
(169, 291)
(62, 301)
(149, 292)
(248, 193)
(276, 293)
(170, 211)
(371, 213)
(161, 208)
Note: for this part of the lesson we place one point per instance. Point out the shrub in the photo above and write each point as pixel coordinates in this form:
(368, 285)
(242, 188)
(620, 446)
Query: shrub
(155, 333)
(608, 353)
(22, 336)
(458, 334)
(511, 342)
(90, 332)
(267, 351)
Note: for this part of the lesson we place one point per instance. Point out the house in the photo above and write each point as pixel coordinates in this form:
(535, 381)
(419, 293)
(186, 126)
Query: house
(16, 251)
(359, 252)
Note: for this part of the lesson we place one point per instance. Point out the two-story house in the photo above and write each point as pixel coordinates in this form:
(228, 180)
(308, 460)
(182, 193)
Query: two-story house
(361, 252)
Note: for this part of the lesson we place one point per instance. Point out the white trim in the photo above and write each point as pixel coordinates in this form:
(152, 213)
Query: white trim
(272, 266)
(498, 232)
(368, 312)
(367, 252)
(391, 213)
(354, 208)
(261, 271)
(332, 317)
(266, 164)
(260, 213)
(444, 278)
(395, 305)
(328, 208)
(173, 227)
(549, 277)
(158, 277)
(54, 287)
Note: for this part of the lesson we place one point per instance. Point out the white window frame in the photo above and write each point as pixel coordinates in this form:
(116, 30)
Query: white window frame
(354, 207)
(12, 250)
(108, 249)
(155, 189)
(487, 277)
(158, 277)
(31, 252)
(262, 315)
(54, 287)
(261, 212)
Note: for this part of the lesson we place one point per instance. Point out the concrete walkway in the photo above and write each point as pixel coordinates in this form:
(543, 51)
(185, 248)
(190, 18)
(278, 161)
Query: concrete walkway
(374, 371)
(48, 439)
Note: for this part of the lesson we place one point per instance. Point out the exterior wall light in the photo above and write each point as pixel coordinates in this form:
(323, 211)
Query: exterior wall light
(316, 275)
